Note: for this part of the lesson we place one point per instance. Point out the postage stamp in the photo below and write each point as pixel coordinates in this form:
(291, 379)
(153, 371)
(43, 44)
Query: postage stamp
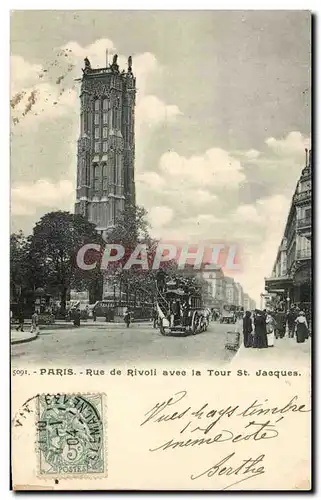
(70, 434)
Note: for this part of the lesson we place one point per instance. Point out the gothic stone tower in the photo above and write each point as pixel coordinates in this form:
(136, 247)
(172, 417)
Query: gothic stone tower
(106, 146)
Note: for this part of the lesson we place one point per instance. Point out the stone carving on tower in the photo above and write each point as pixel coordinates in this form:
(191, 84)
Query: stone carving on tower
(106, 144)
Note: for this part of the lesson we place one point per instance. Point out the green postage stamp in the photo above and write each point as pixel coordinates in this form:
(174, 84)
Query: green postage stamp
(70, 434)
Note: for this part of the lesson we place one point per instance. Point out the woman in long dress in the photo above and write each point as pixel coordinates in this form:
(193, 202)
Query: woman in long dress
(302, 330)
(260, 337)
(247, 329)
(270, 328)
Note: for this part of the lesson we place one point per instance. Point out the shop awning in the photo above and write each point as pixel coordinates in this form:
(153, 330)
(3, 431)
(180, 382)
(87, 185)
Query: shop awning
(278, 284)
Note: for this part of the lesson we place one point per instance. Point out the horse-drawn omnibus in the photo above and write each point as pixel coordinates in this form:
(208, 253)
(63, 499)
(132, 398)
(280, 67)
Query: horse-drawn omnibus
(180, 310)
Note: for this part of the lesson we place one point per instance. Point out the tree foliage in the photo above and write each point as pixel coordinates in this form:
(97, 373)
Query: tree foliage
(131, 229)
(19, 264)
(54, 245)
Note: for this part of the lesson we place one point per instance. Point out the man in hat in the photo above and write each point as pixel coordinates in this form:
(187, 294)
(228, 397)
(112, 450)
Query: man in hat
(290, 318)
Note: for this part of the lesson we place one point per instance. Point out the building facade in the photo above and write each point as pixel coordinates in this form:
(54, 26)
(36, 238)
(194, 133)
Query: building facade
(231, 291)
(240, 294)
(246, 302)
(291, 275)
(217, 287)
(106, 145)
(252, 305)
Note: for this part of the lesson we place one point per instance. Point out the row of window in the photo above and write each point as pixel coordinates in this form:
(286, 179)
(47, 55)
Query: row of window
(97, 118)
(113, 119)
(98, 132)
(101, 146)
(96, 170)
(117, 173)
(98, 102)
(109, 118)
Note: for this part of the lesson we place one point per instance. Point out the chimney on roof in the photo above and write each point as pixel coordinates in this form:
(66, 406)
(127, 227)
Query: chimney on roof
(306, 156)
(310, 158)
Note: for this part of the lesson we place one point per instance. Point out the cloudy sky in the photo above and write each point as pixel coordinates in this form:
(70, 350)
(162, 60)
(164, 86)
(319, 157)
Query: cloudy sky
(222, 119)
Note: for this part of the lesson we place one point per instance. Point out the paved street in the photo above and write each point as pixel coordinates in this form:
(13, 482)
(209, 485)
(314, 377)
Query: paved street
(102, 344)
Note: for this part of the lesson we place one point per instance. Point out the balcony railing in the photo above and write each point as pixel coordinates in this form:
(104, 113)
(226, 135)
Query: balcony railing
(303, 254)
(304, 222)
(305, 195)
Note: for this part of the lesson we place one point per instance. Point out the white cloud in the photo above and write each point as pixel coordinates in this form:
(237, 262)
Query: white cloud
(200, 197)
(252, 154)
(26, 198)
(258, 258)
(17, 208)
(43, 102)
(55, 93)
(151, 111)
(160, 216)
(293, 144)
(215, 168)
(96, 52)
(268, 211)
(246, 213)
(35, 94)
(150, 180)
(204, 219)
(22, 73)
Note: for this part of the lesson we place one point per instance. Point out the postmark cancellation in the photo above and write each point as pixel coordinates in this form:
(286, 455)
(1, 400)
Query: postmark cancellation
(71, 439)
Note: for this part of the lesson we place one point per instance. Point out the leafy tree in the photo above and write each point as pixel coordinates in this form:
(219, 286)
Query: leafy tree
(54, 245)
(19, 272)
(132, 228)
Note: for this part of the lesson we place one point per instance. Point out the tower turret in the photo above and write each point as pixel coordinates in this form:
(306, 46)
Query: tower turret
(106, 144)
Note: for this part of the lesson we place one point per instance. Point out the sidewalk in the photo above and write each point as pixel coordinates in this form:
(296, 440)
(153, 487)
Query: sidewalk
(22, 337)
(60, 324)
(285, 352)
(26, 336)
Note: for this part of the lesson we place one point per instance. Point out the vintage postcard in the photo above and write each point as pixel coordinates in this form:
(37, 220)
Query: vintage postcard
(160, 284)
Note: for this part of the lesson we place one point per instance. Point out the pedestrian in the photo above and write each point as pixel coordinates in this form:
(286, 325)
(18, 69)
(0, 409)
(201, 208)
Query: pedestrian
(77, 317)
(280, 327)
(34, 323)
(176, 312)
(127, 318)
(21, 320)
(260, 337)
(302, 330)
(94, 314)
(207, 317)
(247, 330)
(160, 279)
(270, 328)
(155, 317)
(185, 312)
(290, 318)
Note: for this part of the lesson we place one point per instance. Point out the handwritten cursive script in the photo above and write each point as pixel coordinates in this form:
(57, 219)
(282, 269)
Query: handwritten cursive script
(203, 425)
(191, 425)
(226, 467)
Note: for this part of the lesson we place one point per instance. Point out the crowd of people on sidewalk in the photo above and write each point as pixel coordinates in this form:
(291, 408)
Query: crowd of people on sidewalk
(262, 328)
(34, 322)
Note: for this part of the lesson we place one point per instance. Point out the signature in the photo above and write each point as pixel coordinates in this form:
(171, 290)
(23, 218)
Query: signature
(246, 470)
